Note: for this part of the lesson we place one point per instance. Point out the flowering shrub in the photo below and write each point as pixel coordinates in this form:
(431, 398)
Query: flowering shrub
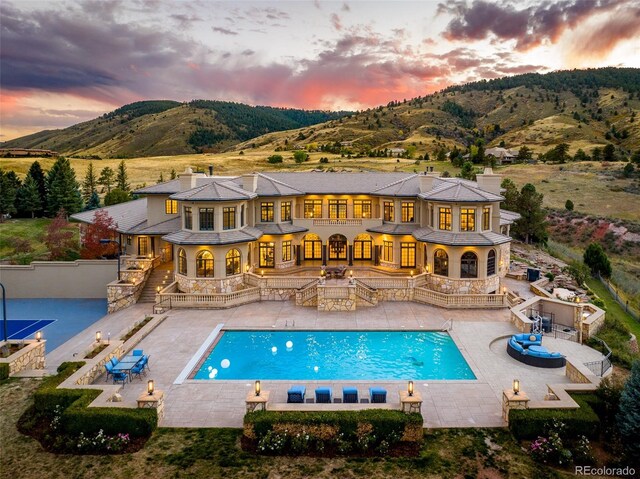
(102, 443)
(272, 443)
(552, 449)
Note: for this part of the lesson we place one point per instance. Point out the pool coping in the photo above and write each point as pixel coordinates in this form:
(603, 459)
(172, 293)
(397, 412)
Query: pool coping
(208, 343)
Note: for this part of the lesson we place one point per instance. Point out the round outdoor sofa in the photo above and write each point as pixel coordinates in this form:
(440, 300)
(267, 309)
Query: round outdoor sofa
(518, 347)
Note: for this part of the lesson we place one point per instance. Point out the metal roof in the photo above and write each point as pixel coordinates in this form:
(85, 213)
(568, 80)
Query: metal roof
(483, 238)
(280, 228)
(126, 215)
(244, 235)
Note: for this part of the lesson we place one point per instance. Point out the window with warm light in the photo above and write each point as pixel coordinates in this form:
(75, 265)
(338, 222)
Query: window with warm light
(362, 208)
(312, 246)
(266, 212)
(286, 251)
(188, 218)
(444, 219)
(285, 211)
(171, 207)
(233, 262)
(467, 219)
(267, 257)
(486, 218)
(143, 245)
(491, 263)
(204, 264)
(206, 219)
(338, 209)
(182, 261)
(362, 247)
(408, 211)
(469, 265)
(441, 262)
(407, 255)
(388, 211)
(387, 251)
(313, 208)
(228, 217)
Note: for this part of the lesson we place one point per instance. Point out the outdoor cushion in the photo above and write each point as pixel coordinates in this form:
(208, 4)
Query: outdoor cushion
(137, 352)
(349, 394)
(323, 395)
(296, 394)
(378, 395)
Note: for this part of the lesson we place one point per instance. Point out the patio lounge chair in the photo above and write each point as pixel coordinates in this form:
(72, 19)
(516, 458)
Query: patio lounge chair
(109, 368)
(378, 395)
(137, 352)
(120, 377)
(296, 394)
(349, 394)
(323, 395)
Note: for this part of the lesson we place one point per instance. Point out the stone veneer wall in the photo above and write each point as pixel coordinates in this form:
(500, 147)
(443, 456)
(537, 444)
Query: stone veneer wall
(395, 294)
(30, 357)
(575, 375)
(337, 304)
(275, 294)
(122, 295)
(447, 285)
(209, 285)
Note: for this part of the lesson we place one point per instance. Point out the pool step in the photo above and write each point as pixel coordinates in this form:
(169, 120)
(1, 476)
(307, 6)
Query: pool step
(156, 279)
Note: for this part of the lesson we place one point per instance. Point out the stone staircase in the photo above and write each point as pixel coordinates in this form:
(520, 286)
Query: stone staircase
(155, 279)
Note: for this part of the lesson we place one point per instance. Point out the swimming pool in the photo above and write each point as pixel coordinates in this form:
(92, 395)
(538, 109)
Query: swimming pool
(335, 355)
(72, 315)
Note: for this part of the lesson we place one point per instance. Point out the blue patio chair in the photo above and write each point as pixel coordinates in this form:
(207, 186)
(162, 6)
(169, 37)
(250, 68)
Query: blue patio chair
(120, 378)
(145, 361)
(139, 369)
(137, 352)
(323, 395)
(378, 395)
(109, 368)
(295, 394)
(114, 361)
(349, 394)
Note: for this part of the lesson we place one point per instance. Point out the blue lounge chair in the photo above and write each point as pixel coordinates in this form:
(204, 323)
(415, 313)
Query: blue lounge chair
(109, 368)
(137, 352)
(349, 394)
(323, 395)
(120, 378)
(378, 395)
(296, 394)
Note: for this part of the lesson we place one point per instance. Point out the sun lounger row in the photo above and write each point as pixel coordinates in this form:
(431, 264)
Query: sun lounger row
(296, 394)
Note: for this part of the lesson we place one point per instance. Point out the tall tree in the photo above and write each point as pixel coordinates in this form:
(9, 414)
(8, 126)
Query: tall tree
(467, 171)
(597, 261)
(62, 189)
(106, 178)
(524, 154)
(173, 174)
(89, 184)
(35, 172)
(609, 153)
(116, 196)
(28, 198)
(510, 194)
(103, 226)
(531, 226)
(59, 238)
(8, 193)
(596, 154)
(628, 417)
(94, 202)
(559, 153)
(122, 178)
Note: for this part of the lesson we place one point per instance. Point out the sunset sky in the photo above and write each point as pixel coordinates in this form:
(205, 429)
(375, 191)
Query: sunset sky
(63, 62)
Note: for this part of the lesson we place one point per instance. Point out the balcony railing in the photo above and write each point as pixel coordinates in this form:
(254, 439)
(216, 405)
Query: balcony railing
(423, 295)
(337, 222)
(215, 300)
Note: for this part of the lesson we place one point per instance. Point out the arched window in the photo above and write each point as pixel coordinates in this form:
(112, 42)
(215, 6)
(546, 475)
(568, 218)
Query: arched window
(182, 261)
(491, 262)
(441, 263)
(362, 247)
(312, 246)
(204, 264)
(469, 265)
(233, 262)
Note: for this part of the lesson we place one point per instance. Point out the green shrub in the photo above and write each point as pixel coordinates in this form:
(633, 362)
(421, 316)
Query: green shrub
(4, 371)
(47, 397)
(531, 423)
(275, 159)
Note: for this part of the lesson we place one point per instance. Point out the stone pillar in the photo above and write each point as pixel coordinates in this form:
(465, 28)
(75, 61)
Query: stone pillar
(152, 401)
(511, 400)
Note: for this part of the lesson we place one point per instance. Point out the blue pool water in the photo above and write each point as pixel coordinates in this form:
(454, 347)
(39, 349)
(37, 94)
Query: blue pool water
(71, 315)
(335, 355)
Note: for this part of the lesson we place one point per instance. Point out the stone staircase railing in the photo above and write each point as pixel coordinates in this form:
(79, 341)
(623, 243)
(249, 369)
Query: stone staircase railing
(364, 292)
(427, 296)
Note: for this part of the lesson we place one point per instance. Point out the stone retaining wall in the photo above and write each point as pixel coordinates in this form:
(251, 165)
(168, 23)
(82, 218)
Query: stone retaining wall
(32, 356)
(337, 304)
(443, 284)
(209, 285)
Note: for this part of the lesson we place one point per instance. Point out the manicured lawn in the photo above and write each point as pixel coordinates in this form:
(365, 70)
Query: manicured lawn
(214, 453)
(28, 235)
(613, 308)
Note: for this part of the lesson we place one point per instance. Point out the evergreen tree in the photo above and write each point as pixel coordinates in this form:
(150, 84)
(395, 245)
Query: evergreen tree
(568, 205)
(173, 174)
(596, 259)
(106, 178)
(510, 195)
(581, 156)
(8, 193)
(531, 226)
(596, 154)
(628, 417)
(89, 184)
(116, 196)
(467, 171)
(609, 153)
(122, 178)
(524, 154)
(35, 172)
(62, 189)
(161, 178)
(94, 202)
(28, 198)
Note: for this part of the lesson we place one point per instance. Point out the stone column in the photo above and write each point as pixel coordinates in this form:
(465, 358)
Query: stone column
(152, 401)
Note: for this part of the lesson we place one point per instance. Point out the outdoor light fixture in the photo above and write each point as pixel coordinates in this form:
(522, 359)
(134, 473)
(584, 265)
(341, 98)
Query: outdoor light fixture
(577, 299)
(246, 268)
(256, 388)
(351, 273)
(411, 273)
(427, 268)
(410, 388)
(98, 336)
(516, 386)
(504, 290)
(158, 289)
(38, 336)
(150, 387)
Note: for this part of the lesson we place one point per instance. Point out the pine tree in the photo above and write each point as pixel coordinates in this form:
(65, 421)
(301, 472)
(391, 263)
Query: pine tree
(596, 259)
(173, 174)
(510, 195)
(8, 193)
(106, 178)
(94, 202)
(89, 184)
(531, 226)
(35, 172)
(122, 178)
(161, 178)
(628, 417)
(28, 198)
(62, 189)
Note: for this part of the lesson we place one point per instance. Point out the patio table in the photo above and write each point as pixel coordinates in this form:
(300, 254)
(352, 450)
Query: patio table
(126, 364)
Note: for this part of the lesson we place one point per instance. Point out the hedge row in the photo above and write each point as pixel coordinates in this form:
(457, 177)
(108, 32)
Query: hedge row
(531, 423)
(77, 417)
(4, 371)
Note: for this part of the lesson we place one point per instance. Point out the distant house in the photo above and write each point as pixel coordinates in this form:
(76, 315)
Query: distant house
(502, 155)
(397, 151)
(346, 143)
(20, 152)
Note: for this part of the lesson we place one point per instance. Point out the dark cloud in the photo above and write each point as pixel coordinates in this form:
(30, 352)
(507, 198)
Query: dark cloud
(185, 21)
(529, 26)
(224, 31)
(248, 52)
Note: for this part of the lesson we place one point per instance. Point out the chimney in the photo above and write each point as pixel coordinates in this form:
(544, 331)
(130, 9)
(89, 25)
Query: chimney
(488, 181)
(426, 180)
(187, 179)
(250, 182)
(210, 170)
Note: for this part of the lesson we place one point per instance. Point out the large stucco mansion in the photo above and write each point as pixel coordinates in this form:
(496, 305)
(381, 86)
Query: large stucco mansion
(214, 229)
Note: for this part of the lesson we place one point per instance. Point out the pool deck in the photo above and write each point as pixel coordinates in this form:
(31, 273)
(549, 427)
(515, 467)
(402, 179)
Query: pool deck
(446, 403)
